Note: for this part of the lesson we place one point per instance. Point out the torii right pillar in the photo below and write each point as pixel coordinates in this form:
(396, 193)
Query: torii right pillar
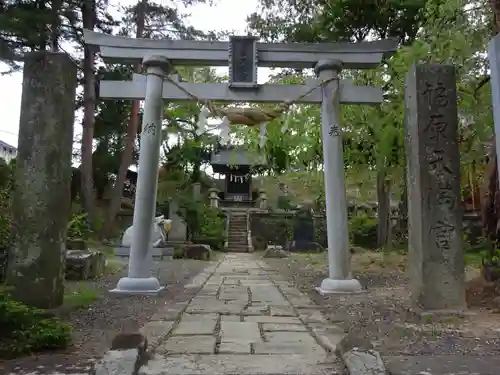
(339, 276)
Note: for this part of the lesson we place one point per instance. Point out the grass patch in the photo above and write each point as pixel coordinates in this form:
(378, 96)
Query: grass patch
(81, 298)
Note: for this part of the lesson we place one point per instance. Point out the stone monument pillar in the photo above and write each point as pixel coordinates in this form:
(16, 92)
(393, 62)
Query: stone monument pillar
(339, 280)
(262, 199)
(213, 197)
(140, 279)
(436, 260)
(42, 199)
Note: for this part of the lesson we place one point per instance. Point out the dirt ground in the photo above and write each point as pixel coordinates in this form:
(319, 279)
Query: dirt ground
(95, 326)
(382, 313)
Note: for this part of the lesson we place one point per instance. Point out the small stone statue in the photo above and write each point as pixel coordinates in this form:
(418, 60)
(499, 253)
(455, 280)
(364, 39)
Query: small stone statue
(159, 230)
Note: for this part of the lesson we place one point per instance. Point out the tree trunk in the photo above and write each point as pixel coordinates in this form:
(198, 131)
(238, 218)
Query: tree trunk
(403, 213)
(384, 209)
(89, 105)
(489, 199)
(489, 191)
(56, 25)
(126, 159)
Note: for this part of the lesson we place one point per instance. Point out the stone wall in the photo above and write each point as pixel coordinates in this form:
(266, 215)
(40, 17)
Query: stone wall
(276, 227)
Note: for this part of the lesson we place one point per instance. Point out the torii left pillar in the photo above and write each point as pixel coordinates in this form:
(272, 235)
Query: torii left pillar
(339, 278)
(140, 279)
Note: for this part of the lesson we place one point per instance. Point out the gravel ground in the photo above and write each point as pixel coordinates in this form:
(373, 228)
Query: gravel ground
(95, 327)
(381, 313)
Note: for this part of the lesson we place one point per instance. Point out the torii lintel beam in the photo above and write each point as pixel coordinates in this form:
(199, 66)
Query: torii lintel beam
(362, 55)
(136, 90)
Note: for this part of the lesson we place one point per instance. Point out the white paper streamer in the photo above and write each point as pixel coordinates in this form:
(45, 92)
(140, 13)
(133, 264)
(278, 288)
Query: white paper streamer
(263, 134)
(202, 120)
(224, 134)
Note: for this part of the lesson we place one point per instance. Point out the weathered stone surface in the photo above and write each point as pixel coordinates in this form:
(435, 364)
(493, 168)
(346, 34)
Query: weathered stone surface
(436, 261)
(287, 343)
(197, 251)
(78, 263)
(117, 362)
(359, 356)
(244, 331)
(291, 364)
(41, 204)
(155, 331)
(201, 326)
(269, 327)
(128, 352)
(274, 251)
(83, 264)
(215, 306)
(235, 347)
(282, 311)
(187, 345)
(273, 319)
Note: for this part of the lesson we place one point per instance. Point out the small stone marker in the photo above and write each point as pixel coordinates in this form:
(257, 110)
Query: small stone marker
(127, 354)
(359, 356)
(436, 261)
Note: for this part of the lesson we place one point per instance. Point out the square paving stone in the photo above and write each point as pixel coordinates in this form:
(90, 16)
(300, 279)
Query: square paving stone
(286, 348)
(288, 343)
(235, 347)
(303, 338)
(256, 309)
(244, 331)
(269, 327)
(282, 311)
(201, 326)
(230, 318)
(188, 345)
(194, 317)
(273, 319)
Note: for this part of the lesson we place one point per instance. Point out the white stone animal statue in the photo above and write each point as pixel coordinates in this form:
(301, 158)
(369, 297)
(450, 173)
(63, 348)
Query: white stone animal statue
(159, 230)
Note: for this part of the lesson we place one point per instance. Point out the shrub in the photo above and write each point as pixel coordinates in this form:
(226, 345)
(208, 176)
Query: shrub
(78, 226)
(25, 330)
(178, 253)
(363, 231)
(284, 202)
(212, 228)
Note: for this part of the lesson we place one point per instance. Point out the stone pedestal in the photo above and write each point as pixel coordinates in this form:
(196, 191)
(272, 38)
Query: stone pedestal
(43, 173)
(436, 260)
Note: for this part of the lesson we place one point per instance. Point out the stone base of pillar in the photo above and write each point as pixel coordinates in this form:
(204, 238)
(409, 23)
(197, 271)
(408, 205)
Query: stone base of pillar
(148, 286)
(330, 286)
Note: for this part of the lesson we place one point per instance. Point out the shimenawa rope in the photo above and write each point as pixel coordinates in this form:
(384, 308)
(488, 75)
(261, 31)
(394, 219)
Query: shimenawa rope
(249, 116)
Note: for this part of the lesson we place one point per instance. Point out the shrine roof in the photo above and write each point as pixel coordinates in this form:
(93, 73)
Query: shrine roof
(236, 156)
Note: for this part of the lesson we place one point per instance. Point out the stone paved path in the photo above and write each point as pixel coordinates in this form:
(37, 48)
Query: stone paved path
(243, 319)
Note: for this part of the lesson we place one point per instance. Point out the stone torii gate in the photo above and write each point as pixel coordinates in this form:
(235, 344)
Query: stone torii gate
(243, 55)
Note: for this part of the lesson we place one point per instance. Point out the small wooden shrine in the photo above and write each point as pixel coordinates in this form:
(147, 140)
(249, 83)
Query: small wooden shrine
(237, 165)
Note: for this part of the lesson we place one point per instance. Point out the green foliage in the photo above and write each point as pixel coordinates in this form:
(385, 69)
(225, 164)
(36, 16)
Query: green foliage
(178, 253)
(6, 192)
(285, 202)
(78, 227)
(212, 228)
(363, 231)
(276, 228)
(25, 330)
